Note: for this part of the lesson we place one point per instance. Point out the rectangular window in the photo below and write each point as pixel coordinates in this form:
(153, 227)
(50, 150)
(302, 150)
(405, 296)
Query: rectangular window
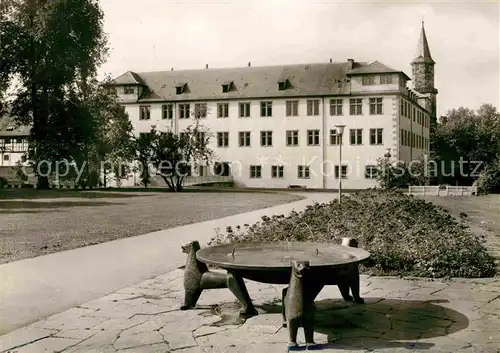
(371, 172)
(312, 107)
(385, 79)
(222, 169)
(222, 110)
(356, 136)
(128, 90)
(200, 137)
(335, 138)
(292, 108)
(402, 137)
(266, 109)
(401, 107)
(167, 111)
(376, 136)
(336, 106)
(145, 112)
(223, 139)
(344, 172)
(277, 171)
(255, 171)
(368, 80)
(356, 106)
(414, 114)
(200, 110)
(303, 172)
(6, 157)
(244, 110)
(292, 137)
(312, 137)
(376, 106)
(266, 138)
(244, 138)
(184, 111)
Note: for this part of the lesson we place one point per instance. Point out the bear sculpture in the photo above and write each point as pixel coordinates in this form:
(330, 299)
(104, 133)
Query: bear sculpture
(197, 277)
(298, 306)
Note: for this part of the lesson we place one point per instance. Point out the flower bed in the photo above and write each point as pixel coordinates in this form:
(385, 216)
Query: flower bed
(406, 236)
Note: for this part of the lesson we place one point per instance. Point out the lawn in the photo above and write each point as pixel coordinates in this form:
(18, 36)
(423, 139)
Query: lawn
(482, 211)
(34, 223)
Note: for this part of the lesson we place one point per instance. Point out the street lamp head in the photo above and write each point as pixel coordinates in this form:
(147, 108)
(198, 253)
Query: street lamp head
(340, 129)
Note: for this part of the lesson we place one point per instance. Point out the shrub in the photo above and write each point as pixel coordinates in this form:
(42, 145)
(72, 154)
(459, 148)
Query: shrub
(405, 235)
(489, 179)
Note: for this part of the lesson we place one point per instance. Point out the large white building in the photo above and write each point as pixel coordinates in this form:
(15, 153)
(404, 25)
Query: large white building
(275, 126)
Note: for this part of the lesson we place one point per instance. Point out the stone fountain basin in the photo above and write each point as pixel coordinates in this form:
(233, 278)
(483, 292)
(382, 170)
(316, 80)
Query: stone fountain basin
(270, 262)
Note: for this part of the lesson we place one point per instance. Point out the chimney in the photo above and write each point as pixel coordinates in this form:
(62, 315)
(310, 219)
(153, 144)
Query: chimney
(330, 60)
(206, 66)
(249, 64)
(350, 63)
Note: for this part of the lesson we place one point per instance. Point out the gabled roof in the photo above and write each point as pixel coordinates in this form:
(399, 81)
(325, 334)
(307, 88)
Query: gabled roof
(128, 78)
(8, 127)
(248, 82)
(375, 67)
(423, 53)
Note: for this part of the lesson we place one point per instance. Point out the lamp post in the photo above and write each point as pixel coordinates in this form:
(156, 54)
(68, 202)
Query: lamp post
(340, 132)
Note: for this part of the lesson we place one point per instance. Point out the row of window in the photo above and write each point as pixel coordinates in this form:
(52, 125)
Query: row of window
(370, 80)
(6, 158)
(313, 137)
(411, 139)
(14, 144)
(266, 108)
(304, 172)
(409, 110)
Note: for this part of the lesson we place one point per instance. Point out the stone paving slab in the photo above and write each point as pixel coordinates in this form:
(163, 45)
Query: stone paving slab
(400, 315)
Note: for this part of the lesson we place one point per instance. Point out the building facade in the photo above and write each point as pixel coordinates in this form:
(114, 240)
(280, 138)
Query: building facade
(276, 126)
(13, 146)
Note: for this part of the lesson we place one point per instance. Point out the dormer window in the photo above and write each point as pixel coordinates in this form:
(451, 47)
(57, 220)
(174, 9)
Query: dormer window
(283, 84)
(180, 88)
(227, 86)
(128, 90)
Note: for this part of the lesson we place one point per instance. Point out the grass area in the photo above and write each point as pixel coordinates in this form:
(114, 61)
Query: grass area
(34, 222)
(405, 235)
(482, 211)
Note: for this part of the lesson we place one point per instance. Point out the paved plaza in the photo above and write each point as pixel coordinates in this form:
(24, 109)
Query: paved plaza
(399, 315)
(128, 298)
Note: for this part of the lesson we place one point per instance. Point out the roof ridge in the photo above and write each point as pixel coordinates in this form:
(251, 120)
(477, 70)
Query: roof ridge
(242, 67)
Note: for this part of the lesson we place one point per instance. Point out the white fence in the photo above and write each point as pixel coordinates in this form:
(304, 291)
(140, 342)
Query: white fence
(443, 190)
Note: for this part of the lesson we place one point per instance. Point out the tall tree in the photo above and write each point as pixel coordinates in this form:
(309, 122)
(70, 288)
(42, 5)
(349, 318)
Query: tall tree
(467, 137)
(52, 48)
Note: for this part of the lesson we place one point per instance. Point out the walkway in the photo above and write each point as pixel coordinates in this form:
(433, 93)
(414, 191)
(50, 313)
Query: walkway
(399, 316)
(36, 288)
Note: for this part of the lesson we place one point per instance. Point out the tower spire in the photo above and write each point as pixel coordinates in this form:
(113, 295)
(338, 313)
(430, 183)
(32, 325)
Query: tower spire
(423, 51)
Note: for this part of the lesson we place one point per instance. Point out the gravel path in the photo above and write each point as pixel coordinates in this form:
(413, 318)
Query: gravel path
(33, 227)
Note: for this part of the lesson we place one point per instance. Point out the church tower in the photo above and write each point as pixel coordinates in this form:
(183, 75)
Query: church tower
(423, 73)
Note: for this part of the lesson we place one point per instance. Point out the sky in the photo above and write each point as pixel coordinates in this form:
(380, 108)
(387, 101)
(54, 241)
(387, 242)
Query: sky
(151, 35)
